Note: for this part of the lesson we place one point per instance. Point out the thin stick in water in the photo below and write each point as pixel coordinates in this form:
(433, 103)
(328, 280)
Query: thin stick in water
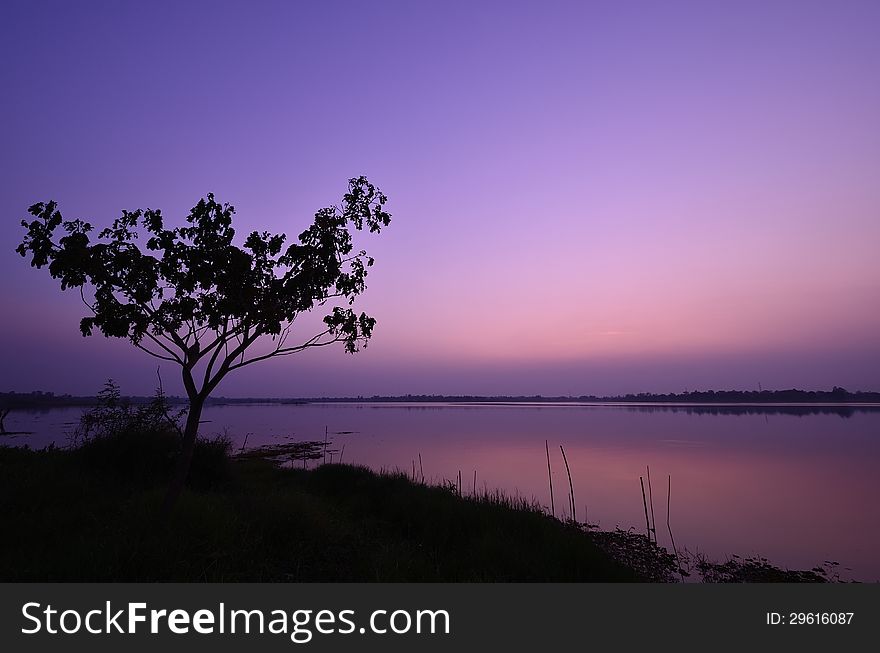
(325, 446)
(570, 486)
(669, 528)
(645, 504)
(651, 502)
(341, 451)
(421, 469)
(459, 482)
(550, 476)
(475, 482)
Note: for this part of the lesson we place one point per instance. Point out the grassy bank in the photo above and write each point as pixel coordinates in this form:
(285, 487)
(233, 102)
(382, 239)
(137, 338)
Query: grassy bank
(90, 514)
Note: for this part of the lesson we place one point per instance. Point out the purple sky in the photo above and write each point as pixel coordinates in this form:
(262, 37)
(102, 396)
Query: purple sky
(590, 197)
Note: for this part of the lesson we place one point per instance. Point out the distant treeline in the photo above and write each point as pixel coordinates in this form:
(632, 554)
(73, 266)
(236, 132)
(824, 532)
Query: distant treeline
(40, 399)
(792, 396)
(836, 395)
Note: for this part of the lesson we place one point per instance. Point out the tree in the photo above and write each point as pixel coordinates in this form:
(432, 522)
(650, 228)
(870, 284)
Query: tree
(194, 298)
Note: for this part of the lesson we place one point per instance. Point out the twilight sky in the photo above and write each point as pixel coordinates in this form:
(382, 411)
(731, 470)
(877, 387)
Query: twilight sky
(588, 197)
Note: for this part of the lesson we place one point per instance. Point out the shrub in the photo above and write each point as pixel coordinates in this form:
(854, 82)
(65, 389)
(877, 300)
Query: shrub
(140, 445)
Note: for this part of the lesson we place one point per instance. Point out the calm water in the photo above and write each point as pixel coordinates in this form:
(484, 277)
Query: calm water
(797, 488)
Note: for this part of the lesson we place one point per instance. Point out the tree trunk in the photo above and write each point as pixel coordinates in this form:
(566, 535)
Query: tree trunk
(190, 432)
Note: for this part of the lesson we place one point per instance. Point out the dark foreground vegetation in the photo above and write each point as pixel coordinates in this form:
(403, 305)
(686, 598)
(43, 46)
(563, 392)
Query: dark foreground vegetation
(81, 515)
(91, 512)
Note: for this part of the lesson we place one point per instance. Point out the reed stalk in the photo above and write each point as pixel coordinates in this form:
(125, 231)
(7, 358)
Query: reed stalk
(669, 528)
(570, 485)
(651, 503)
(550, 476)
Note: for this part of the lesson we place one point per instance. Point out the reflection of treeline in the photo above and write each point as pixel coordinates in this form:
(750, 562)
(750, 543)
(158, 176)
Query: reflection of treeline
(799, 411)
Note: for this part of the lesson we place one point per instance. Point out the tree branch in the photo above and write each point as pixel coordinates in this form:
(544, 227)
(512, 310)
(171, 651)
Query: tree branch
(225, 366)
(280, 351)
(154, 354)
(217, 342)
(176, 358)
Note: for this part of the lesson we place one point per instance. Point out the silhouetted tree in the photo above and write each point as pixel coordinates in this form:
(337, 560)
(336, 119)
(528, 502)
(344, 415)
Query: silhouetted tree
(194, 298)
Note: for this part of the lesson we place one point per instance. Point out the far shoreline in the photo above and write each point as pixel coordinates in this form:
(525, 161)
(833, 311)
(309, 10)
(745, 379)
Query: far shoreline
(791, 399)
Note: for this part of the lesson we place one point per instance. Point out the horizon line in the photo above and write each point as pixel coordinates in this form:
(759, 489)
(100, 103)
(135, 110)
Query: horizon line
(835, 391)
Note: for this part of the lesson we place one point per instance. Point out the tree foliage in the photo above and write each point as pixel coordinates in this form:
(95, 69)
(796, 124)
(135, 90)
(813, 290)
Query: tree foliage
(191, 295)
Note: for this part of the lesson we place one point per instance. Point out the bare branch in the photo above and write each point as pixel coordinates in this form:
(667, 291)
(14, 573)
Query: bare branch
(175, 357)
(279, 351)
(154, 354)
(221, 338)
(83, 297)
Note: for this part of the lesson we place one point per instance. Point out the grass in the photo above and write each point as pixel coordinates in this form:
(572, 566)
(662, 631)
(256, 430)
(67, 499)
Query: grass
(90, 514)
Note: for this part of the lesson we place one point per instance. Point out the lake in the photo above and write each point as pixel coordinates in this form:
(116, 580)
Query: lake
(798, 485)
